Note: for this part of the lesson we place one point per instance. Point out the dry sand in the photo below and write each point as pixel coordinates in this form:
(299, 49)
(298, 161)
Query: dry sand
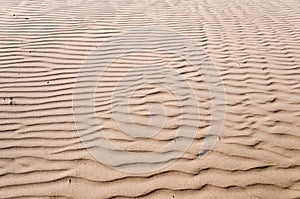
(255, 46)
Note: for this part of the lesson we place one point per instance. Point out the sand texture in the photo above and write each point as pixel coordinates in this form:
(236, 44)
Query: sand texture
(255, 45)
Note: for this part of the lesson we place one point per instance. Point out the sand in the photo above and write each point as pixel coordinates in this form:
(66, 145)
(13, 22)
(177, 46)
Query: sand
(255, 45)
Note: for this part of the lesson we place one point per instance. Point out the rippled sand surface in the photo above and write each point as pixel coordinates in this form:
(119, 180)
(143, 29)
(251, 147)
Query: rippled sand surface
(254, 44)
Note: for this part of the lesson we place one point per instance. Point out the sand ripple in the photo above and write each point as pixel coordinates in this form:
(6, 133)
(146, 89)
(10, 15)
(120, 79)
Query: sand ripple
(256, 47)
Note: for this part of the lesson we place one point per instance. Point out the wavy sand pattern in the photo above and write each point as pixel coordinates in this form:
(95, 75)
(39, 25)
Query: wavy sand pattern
(254, 44)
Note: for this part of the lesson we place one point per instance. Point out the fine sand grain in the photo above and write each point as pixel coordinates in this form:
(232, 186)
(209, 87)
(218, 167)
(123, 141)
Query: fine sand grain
(254, 44)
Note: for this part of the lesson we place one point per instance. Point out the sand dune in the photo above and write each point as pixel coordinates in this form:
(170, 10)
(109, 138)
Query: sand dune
(254, 44)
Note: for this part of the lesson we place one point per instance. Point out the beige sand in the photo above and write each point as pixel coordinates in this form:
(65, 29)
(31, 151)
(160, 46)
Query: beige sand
(254, 44)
